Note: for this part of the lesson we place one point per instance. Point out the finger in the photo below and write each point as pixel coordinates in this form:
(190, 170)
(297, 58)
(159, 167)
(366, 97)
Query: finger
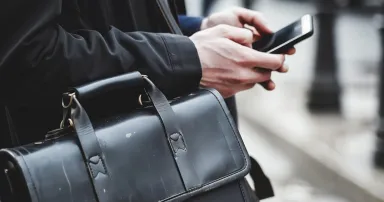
(268, 85)
(291, 51)
(253, 18)
(284, 69)
(288, 51)
(264, 60)
(236, 34)
(271, 85)
(250, 76)
(230, 90)
(234, 77)
(251, 58)
(256, 35)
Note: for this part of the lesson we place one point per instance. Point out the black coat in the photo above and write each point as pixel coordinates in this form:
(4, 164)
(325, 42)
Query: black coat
(47, 46)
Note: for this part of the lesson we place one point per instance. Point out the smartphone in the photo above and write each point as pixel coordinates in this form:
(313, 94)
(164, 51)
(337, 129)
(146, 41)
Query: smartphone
(287, 37)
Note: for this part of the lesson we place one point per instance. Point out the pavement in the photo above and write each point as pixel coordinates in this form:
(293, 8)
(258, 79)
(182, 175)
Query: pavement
(311, 157)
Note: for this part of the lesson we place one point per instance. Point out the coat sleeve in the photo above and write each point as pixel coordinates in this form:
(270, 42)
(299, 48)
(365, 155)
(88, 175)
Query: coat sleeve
(39, 58)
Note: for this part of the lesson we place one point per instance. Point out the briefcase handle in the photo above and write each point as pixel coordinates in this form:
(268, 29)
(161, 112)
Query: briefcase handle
(89, 145)
(129, 81)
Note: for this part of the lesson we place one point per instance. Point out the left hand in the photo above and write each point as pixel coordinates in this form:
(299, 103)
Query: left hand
(245, 18)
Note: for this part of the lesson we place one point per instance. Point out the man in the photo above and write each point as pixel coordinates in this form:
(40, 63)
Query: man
(47, 46)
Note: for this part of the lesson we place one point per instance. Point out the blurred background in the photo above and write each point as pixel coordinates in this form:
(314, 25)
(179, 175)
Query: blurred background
(317, 136)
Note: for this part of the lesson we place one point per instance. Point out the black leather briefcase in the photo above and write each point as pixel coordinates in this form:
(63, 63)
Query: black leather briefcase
(187, 149)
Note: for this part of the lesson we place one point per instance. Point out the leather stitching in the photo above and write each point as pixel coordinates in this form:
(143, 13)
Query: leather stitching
(94, 165)
(179, 143)
(243, 192)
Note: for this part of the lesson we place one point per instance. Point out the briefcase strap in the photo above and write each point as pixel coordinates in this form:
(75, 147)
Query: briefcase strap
(174, 136)
(96, 161)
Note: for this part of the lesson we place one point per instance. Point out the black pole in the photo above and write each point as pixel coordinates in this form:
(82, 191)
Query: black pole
(379, 154)
(324, 94)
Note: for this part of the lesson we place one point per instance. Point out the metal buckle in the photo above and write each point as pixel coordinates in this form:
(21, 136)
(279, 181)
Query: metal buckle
(66, 109)
(63, 122)
(140, 99)
(71, 97)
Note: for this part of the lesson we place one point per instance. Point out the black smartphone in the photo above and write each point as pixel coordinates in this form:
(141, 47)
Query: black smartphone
(286, 37)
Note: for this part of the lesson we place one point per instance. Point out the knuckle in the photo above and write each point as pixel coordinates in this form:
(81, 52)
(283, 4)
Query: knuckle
(244, 60)
(224, 28)
(241, 78)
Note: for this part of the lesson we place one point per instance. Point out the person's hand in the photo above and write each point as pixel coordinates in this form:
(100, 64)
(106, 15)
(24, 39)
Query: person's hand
(238, 17)
(244, 18)
(228, 62)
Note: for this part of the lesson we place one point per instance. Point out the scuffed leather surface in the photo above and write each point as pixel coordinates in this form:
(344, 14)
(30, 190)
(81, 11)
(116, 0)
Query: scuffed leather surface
(140, 162)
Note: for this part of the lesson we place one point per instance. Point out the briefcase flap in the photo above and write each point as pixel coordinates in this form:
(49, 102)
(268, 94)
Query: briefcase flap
(140, 165)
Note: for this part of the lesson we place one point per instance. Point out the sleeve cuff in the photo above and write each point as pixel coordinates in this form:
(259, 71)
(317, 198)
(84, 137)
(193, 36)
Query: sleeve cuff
(185, 63)
(190, 25)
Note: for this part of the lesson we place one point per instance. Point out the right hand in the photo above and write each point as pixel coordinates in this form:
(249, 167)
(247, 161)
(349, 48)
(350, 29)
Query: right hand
(228, 61)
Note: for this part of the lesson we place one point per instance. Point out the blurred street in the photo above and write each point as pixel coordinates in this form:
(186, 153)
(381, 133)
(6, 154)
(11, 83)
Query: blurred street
(316, 158)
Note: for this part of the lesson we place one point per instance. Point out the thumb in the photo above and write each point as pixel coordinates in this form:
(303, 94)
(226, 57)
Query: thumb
(239, 35)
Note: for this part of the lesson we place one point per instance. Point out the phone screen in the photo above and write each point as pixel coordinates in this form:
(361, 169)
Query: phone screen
(288, 33)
